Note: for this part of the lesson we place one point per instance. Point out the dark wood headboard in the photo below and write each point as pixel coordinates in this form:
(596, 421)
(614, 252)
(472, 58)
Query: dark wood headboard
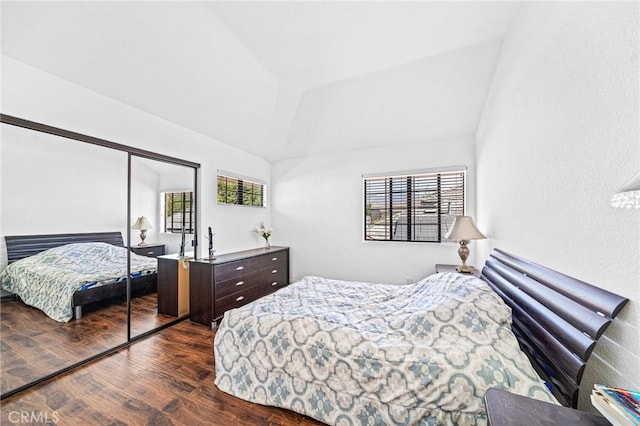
(556, 318)
(21, 246)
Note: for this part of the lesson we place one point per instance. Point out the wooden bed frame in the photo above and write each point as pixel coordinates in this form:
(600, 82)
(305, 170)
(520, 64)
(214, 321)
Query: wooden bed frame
(21, 246)
(556, 318)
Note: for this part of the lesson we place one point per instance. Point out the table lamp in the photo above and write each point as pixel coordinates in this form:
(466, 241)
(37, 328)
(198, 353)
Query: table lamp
(463, 229)
(142, 223)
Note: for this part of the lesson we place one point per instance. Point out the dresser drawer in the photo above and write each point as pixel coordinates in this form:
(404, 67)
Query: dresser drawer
(237, 283)
(274, 283)
(236, 300)
(149, 251)
(277, 260)
(275, 273)
(230, 270)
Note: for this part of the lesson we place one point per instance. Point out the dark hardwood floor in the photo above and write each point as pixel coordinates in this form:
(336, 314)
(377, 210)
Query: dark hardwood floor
(32, 345)
(165, 379)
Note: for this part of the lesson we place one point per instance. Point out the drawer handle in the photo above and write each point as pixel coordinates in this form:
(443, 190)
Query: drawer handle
(274, 271)
(240, 283)
(239, 298)
(239, 268)
(275, 283)
(149, 252)
(274, 259)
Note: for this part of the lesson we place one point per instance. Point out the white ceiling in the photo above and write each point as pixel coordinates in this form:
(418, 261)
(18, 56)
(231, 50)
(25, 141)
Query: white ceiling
(278, 79)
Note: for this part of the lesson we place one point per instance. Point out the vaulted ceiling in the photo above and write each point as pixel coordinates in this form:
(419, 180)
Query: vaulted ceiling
(277, 79)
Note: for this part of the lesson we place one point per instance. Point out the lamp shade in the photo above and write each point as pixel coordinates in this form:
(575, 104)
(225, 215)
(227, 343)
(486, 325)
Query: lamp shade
(464, 228)
(629, 195)
(142, 223)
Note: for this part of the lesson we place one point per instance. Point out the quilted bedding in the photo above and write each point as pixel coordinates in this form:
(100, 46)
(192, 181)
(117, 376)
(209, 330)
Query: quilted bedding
(358, 353)
(48, 279)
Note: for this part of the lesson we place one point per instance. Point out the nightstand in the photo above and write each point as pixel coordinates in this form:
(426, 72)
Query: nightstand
(508, 409)
(452, 268)
(149, 250)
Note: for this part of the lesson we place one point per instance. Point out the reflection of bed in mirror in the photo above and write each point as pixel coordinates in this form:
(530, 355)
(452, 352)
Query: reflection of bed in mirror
(106, 284)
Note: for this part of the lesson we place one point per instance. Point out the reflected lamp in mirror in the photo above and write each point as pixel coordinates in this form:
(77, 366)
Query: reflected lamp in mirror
(629, 195)
(463, 230)
(142, 223)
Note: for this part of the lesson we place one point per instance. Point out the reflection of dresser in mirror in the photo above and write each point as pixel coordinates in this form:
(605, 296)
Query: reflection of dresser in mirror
(149, 250)
(173, 285)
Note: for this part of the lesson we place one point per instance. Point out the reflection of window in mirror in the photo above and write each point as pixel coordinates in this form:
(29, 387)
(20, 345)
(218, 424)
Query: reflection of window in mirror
(239, 190)
(178, 212)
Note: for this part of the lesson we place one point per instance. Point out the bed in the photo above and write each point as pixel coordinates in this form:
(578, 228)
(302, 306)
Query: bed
(423, 353)
(61, 273)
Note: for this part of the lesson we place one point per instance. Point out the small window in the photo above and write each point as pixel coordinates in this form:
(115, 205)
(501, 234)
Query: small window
(412, 207)
(179, 212)
(240, 191)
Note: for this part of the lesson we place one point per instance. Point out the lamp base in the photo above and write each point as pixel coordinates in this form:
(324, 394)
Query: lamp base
(465, 269)
(143, 235)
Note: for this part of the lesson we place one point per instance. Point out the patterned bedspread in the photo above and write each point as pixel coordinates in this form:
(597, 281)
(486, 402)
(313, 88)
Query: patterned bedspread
(48, 279)
(357, 353)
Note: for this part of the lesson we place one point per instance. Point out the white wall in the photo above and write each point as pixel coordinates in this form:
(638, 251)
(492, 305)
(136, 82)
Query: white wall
(558, 136)
(144, 199)
(52, 183)
(32, 94)
(318, 211)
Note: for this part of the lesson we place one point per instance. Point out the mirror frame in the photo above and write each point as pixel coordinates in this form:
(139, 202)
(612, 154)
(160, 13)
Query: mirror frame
(131, 152)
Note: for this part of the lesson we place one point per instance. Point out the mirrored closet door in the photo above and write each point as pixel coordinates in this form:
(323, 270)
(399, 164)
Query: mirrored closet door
(163, 202)
(53, 185)
(74, 200)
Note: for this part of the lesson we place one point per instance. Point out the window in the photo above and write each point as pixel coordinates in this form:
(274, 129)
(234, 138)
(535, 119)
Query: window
(240, 191)
(179, 212)
(413, 207)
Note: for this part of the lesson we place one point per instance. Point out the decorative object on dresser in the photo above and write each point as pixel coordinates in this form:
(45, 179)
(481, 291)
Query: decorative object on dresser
(173, 285)
(212, 255)
(149, 250)
(182, 243)
(463, 230)
(142, 223)
(233, 280)
(265, 233)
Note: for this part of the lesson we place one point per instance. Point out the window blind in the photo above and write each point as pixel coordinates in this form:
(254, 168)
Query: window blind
(412, 207)
(236, 190)
(179, 212)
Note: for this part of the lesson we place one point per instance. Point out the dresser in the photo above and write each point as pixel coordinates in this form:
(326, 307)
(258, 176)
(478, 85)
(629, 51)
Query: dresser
(233, 280)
